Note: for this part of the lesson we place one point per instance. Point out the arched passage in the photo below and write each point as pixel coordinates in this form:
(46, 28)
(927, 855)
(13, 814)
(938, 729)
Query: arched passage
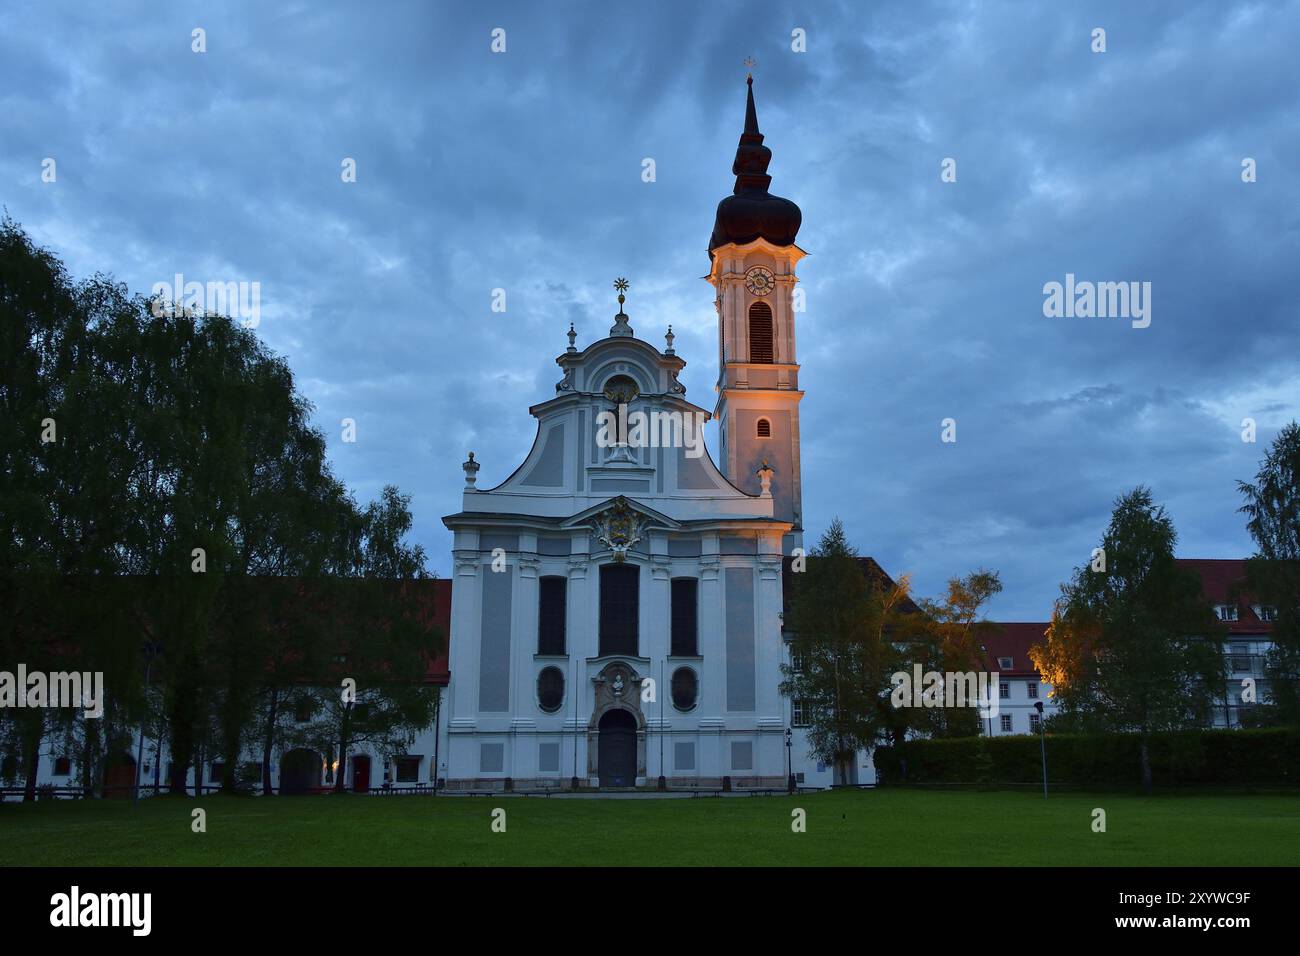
(616, 760)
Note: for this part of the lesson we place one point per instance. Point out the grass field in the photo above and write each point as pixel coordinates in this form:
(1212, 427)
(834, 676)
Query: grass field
(870, 828)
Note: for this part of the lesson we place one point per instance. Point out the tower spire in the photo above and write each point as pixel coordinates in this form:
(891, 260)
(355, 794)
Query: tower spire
(751, 114)
(751, 212)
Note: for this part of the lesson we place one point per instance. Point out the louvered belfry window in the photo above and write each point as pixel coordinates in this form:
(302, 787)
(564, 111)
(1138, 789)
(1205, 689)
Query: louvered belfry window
(620, 602)
(551, 615)
(684, 617)
(760, 333)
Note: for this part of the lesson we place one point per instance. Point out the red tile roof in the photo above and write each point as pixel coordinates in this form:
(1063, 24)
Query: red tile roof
(440, 591)
(1013, 641)
(871, 570)
(1224, 582)
(1222, 579)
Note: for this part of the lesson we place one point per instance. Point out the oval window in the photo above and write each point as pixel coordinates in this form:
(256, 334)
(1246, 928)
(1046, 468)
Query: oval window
(685, 688)
(550, 689)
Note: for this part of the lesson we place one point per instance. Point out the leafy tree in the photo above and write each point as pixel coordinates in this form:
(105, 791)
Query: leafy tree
(1273, 511)
(139, 440)
(955, 632)
(1137, 647)
(840, 622)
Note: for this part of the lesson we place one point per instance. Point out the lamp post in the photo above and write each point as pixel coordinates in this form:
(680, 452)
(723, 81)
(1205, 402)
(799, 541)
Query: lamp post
(789, 765)
(1042, 743)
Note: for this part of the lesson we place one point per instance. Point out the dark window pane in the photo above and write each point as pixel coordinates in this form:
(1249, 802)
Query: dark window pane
(408, 769)
(684, 617)
(619, 608)
(551, 615)
(550, 689)
(686, 688)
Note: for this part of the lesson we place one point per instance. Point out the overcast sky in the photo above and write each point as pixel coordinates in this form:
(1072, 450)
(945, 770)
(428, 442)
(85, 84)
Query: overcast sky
(522, 170)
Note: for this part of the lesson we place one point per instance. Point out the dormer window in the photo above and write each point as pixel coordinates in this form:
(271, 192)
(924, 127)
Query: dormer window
(764, 428)
(1226, 612)
(1266, 612)
(1004, 663)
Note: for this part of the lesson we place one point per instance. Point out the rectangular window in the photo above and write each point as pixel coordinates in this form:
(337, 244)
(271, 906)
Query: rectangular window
(684, 755)
(1034, 721)
(548, 757)
(551, 613)
(685, 617)
(620, 597)
(799, 712)
(742, 755)
(1227, 612)
(1006, 723)
(796, 659)
(408, 769)
(1032, 687)
(1004, 690)
(62, 766)
(491, 758)
(1266, 612)
(215, 770)
(1004, 663)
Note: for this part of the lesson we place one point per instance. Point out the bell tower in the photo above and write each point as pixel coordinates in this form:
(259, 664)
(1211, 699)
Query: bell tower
(753, 257)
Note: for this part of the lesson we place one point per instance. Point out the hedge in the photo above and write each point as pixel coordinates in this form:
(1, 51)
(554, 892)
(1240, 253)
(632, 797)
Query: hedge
(1178, 759)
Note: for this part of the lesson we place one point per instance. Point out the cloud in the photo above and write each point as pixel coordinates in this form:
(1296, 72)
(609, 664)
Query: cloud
(522, 171)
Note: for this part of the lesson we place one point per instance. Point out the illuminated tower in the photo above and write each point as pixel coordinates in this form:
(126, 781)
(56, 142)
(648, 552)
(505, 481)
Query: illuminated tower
(753, 257)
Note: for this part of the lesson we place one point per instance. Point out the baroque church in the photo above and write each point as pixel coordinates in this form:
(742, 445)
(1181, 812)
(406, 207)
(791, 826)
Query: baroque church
(616, 614)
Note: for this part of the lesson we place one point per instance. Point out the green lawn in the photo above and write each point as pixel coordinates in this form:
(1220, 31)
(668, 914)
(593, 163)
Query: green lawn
(886, 827)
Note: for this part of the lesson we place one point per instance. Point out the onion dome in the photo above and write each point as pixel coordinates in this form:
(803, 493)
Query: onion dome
(752, 212)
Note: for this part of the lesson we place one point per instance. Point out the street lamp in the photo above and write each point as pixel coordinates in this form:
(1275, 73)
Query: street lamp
(789, 767)
(1042, 742)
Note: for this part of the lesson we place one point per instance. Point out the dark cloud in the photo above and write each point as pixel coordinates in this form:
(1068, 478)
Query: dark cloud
(522, 172)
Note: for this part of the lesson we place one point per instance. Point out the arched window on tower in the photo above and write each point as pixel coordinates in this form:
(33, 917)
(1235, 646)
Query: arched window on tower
(760, 333)
(764, 428)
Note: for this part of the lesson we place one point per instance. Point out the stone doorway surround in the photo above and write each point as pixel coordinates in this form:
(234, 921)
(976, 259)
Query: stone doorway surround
(617, 686)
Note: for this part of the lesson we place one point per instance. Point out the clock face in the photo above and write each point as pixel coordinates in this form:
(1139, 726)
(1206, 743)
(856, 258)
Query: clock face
(760, 281)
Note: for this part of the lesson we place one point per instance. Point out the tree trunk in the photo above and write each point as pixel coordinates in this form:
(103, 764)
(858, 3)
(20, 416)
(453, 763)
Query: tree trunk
(182, 752)
(342, 751)
(89, 766)
(1144, 752)
(233, 747)
(34, 757)
(268, 740)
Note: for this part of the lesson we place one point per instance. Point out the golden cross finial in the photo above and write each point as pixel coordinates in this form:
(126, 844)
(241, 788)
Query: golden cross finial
(750, 63)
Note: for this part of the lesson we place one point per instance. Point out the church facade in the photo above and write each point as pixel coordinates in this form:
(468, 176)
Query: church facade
(617, 604)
